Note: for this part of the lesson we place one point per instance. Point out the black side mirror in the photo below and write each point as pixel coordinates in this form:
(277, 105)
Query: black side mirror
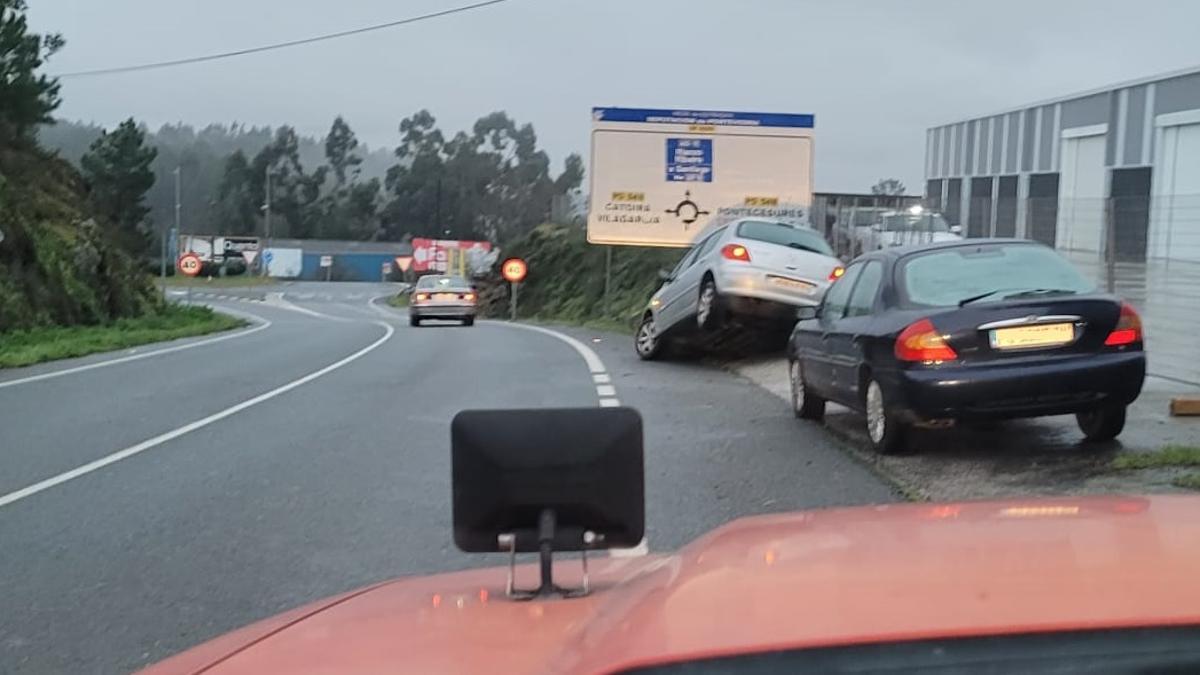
(664, 274)
(804, 313)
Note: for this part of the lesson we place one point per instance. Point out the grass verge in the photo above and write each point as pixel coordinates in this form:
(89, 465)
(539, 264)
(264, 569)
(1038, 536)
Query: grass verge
(239, 281)
(26, 347)
(398, 300)
(1170, 456)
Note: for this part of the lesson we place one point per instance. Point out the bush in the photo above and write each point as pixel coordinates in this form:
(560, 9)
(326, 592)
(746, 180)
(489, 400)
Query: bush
(56, 265)
(566, 279)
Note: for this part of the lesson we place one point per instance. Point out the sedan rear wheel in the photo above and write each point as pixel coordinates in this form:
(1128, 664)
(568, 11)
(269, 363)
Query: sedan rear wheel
(887, 433)
(1102, 424)
(647, 342)
(414, 321)
(805, 404)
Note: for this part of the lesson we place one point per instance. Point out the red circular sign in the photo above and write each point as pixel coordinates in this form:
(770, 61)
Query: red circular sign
(514, 270)
(190, 264)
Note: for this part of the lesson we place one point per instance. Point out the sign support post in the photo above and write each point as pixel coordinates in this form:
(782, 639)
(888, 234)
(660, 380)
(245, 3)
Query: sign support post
(513, 270)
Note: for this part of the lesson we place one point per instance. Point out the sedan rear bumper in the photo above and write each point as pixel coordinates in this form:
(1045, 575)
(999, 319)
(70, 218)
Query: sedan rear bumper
(998, 391)
(430, 310)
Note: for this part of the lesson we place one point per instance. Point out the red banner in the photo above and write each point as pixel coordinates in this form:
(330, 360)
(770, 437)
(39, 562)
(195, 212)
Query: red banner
(431, 255)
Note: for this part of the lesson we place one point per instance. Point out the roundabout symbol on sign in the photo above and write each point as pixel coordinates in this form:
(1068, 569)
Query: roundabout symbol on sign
(190, 264)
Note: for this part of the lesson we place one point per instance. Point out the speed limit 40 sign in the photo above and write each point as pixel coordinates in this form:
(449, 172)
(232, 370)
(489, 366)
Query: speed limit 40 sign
(514, 270)
(190, 264)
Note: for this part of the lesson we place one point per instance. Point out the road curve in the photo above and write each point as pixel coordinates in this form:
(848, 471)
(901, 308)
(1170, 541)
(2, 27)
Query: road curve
(332, 483)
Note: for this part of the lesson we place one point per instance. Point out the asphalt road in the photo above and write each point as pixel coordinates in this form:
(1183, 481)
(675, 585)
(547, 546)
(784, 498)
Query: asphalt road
(150, 501)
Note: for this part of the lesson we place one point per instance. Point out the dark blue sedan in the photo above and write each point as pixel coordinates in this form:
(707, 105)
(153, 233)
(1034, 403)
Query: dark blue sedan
(980, 329)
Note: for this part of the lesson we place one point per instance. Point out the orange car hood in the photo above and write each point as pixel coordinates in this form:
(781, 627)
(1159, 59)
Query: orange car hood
(818, 578)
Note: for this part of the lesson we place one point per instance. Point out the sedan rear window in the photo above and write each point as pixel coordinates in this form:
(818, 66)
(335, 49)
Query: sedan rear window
(784, 235)
(435, 281)
(946, 277)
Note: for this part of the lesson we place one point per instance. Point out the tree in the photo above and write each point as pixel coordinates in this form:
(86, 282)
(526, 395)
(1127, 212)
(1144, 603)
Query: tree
(117, 171)
(294, 193)
(490, 183)
(340, 145)
(26, 98)
(237, 202)
(889, 187)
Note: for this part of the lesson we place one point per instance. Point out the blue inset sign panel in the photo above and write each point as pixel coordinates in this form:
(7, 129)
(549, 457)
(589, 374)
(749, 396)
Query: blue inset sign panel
(689, 160)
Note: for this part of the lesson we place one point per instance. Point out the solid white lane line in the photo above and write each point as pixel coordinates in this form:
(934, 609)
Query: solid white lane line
(606, 390)
(193, 426)
(601, 378)
(595, 365)
(135, 357)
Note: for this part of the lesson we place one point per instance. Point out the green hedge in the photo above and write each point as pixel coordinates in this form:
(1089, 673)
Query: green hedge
(566, 279)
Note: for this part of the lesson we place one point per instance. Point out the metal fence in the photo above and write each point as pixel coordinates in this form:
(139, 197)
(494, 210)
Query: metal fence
(1143, 249)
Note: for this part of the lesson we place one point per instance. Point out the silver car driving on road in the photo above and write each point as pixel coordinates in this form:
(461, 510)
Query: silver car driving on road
(442, 297)
(747, 268)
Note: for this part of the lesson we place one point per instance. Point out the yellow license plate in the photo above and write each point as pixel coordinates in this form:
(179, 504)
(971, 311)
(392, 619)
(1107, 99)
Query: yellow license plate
(793, 284)
(1022, 337)
(445, 296)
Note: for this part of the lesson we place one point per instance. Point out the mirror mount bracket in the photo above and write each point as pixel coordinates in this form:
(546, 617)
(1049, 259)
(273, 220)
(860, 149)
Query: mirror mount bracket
(546, 587)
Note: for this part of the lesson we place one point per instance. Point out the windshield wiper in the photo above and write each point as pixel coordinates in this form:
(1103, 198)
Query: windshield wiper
(802, 247)
(1041, 291)
(973, 298)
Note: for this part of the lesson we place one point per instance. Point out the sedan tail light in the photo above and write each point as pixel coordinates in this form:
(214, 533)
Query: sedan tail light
(920, 341)
(836, 273)
(736, 252)
(1128, 330)
(469, 297)
(422, 297)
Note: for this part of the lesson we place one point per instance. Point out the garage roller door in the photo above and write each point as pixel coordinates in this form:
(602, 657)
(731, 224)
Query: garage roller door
(1175, 213)
(1081, 192)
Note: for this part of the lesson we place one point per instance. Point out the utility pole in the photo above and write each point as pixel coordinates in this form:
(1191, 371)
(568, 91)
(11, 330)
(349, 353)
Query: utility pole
(267, 222)
(178, 233)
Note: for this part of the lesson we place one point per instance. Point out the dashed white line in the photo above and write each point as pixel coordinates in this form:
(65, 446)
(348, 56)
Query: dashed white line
(606, 390)
(609, 403)
(601, 378)
(263, 325)
(193, 426)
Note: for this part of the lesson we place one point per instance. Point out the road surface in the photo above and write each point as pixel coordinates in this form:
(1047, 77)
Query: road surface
(154, 498)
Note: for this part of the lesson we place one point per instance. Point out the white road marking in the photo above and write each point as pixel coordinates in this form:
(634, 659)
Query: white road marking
(193, 426)
(595, 365)
(276, 300)
(606, 390)
(601, 378)
(263, 325)
(609, 403)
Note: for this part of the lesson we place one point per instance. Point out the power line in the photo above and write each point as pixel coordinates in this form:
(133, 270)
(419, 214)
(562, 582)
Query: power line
(278, 45)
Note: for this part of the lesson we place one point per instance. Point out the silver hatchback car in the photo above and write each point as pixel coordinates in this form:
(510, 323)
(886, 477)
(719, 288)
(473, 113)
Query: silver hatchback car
(748, 268)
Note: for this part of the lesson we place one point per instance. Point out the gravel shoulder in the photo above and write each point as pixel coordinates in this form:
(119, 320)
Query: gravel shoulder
(1043, 456)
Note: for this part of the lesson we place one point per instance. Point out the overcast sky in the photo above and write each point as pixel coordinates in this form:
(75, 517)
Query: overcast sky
(875, 73)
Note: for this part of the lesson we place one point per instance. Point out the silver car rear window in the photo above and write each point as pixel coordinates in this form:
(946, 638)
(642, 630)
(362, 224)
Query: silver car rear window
(784, 235)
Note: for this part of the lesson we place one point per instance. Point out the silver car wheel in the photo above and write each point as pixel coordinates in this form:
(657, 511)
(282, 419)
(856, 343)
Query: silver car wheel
(647, 337)
(876, 417)
(704, 308)
(797, 387)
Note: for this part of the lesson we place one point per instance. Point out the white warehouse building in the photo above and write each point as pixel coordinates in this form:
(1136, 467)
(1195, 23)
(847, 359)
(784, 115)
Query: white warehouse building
(1058, 171)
